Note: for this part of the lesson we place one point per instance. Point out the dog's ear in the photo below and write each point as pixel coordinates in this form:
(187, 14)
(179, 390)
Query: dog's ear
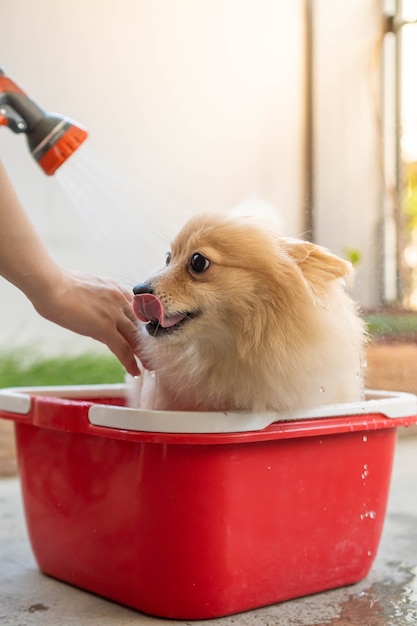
(315, 260)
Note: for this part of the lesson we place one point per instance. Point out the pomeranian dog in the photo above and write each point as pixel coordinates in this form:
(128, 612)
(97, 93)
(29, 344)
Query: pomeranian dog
(244, 319)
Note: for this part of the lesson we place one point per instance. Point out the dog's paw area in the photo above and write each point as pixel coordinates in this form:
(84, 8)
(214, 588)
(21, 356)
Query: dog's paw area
(141, 390)
(133, 390)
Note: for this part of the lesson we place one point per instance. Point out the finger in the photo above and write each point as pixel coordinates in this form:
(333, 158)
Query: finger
(126, 357)
(127, 326)
(128, 332)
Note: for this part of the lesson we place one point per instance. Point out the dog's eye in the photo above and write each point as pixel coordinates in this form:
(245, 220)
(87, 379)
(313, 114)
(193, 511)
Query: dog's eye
(199, 263)
(168, 258)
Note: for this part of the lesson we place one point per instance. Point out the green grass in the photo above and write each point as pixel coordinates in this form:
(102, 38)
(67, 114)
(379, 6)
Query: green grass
(18, 370)
(400, 325)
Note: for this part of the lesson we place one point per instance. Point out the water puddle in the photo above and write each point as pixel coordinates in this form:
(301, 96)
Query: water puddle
(390, 602)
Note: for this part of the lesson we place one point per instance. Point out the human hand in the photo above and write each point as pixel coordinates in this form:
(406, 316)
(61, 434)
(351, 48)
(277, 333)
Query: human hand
(92, 306)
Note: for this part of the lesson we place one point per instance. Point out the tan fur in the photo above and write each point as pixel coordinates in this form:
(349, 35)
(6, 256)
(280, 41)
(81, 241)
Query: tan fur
(274, 328)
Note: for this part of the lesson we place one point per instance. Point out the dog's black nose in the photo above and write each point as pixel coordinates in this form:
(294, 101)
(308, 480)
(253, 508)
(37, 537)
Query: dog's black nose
(142, 288)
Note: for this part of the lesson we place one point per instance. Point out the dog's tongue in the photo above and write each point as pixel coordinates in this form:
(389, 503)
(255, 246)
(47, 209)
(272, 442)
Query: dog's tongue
(148, 308)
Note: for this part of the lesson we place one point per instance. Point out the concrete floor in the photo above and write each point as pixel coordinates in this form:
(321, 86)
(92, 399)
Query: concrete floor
(388, 597)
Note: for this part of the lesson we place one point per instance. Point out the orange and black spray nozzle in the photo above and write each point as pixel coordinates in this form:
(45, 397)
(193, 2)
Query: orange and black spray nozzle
(52, 137)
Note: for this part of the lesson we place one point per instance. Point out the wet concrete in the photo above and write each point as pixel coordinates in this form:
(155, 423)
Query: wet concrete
(387, 597)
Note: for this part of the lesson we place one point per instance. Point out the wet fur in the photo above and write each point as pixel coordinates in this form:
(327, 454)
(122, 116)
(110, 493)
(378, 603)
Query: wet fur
(273, 329)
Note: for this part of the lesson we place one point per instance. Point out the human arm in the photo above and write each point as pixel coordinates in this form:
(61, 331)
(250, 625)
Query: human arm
(84, 303)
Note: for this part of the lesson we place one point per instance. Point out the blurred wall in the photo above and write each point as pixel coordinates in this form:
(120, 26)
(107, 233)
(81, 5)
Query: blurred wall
(348, 149)
(190, 104)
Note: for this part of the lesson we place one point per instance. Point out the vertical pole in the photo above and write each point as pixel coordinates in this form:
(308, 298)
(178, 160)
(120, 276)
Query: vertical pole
(308, 200)
(398, 212)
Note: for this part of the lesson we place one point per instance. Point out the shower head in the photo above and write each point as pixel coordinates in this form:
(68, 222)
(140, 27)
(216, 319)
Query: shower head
(51, 137)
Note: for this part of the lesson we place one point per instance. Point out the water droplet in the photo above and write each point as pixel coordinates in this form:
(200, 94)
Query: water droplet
(365, 438)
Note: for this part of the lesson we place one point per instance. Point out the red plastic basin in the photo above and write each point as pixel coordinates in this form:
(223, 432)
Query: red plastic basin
(195, 526)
